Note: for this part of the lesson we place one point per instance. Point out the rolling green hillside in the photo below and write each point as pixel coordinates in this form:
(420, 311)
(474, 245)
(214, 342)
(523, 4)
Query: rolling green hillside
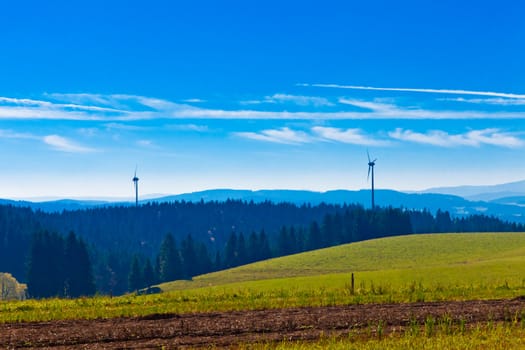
(437, 267)
(444, 259)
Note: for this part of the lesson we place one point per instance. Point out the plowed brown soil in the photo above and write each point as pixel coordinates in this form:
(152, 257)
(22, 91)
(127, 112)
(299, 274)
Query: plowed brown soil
(229, 328)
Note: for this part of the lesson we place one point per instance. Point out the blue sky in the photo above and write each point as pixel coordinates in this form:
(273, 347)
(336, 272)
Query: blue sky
(259, 95)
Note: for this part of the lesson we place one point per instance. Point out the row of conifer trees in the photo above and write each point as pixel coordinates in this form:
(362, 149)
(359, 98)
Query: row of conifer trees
(61, 266)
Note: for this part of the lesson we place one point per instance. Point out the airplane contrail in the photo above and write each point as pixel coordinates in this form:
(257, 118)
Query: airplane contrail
(432, 91)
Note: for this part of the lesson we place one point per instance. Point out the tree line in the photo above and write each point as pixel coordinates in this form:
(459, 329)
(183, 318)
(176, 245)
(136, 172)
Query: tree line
(114, 235)
(59, 267)
(352, 225)
(130, 248)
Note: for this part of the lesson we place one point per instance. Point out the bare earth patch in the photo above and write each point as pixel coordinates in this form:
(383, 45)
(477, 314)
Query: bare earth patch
(229, 328)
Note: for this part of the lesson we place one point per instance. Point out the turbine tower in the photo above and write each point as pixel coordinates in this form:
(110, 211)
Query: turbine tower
(136, 183)
(371, 164)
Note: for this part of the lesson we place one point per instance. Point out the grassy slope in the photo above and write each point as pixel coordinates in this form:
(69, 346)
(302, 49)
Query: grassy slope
(398, 269)
(435, 258)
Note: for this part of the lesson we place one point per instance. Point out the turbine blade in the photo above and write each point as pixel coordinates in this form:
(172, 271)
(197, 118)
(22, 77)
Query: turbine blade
(374, 160)
(368, 177)
(368, 154)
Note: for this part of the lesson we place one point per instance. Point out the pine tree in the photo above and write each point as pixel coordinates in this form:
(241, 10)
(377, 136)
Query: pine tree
(242, 256)
(37, 283)
(340, 232)
(350, 226)
(203, 258)
(116, 267)
(230, 254)
(168, 260)
(189, 257)
(362, 225)
(327, 229)
(314, 239)
(45, 277)
(78, 274)
(253, 248)
(284, 245)
(301, 239)
(148, 274)
(265, 252)
(292, 238)
(135, 278)
(218, 261)
(443, 221)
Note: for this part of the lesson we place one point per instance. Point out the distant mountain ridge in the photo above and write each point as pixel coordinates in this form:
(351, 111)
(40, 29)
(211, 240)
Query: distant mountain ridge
(456, 205)
(483, 193)
(511, 208)
(56, 205)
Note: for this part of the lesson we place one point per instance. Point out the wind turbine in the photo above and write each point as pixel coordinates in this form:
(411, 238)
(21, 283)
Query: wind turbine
(371, 164)
(136, 183)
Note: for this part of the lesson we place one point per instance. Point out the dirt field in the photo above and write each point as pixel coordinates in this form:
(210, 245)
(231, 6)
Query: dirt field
(230, 328)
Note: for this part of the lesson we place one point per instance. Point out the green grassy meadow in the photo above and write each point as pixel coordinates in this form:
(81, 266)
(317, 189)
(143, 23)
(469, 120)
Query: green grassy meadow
(441, 260)
(398, 269)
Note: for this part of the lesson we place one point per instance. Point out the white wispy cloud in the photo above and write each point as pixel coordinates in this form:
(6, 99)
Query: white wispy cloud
(351, 136)
(88, 132)
(490, 101)
(473, 138)
(145, 143)
(194, 100)
(154, 103)
(127, 108)
(439, 138)
(433, 91)
(371, 105)
(125, 127)
(283, 135)
(65, 145)
(88, 99)
(84, 102)
(286, 135)
(23, 102)
(10, 134)
(295, 99)
(58, 143)
(79, 107)
(399, 114)
(188, 127)
(44, 113)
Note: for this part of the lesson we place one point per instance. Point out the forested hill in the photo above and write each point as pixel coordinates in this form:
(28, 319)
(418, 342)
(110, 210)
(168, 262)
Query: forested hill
(117, 233)
(206, 236)
(143, 228)
(503, 208)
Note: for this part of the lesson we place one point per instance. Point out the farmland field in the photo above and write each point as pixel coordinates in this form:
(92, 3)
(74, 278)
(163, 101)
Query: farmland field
(355, 323)
(401, 283)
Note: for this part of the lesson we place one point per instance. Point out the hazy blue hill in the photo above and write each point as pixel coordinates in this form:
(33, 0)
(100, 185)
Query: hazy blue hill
(454, 204)
(505, 207)
(208, 195)
(17, 203)
(383, 197)
(294, 196)
(515, 200)
(485, 193)
(57, 205)
(67, 204)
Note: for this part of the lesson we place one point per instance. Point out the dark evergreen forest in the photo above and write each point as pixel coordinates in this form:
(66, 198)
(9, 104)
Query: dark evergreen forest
(120, 249)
